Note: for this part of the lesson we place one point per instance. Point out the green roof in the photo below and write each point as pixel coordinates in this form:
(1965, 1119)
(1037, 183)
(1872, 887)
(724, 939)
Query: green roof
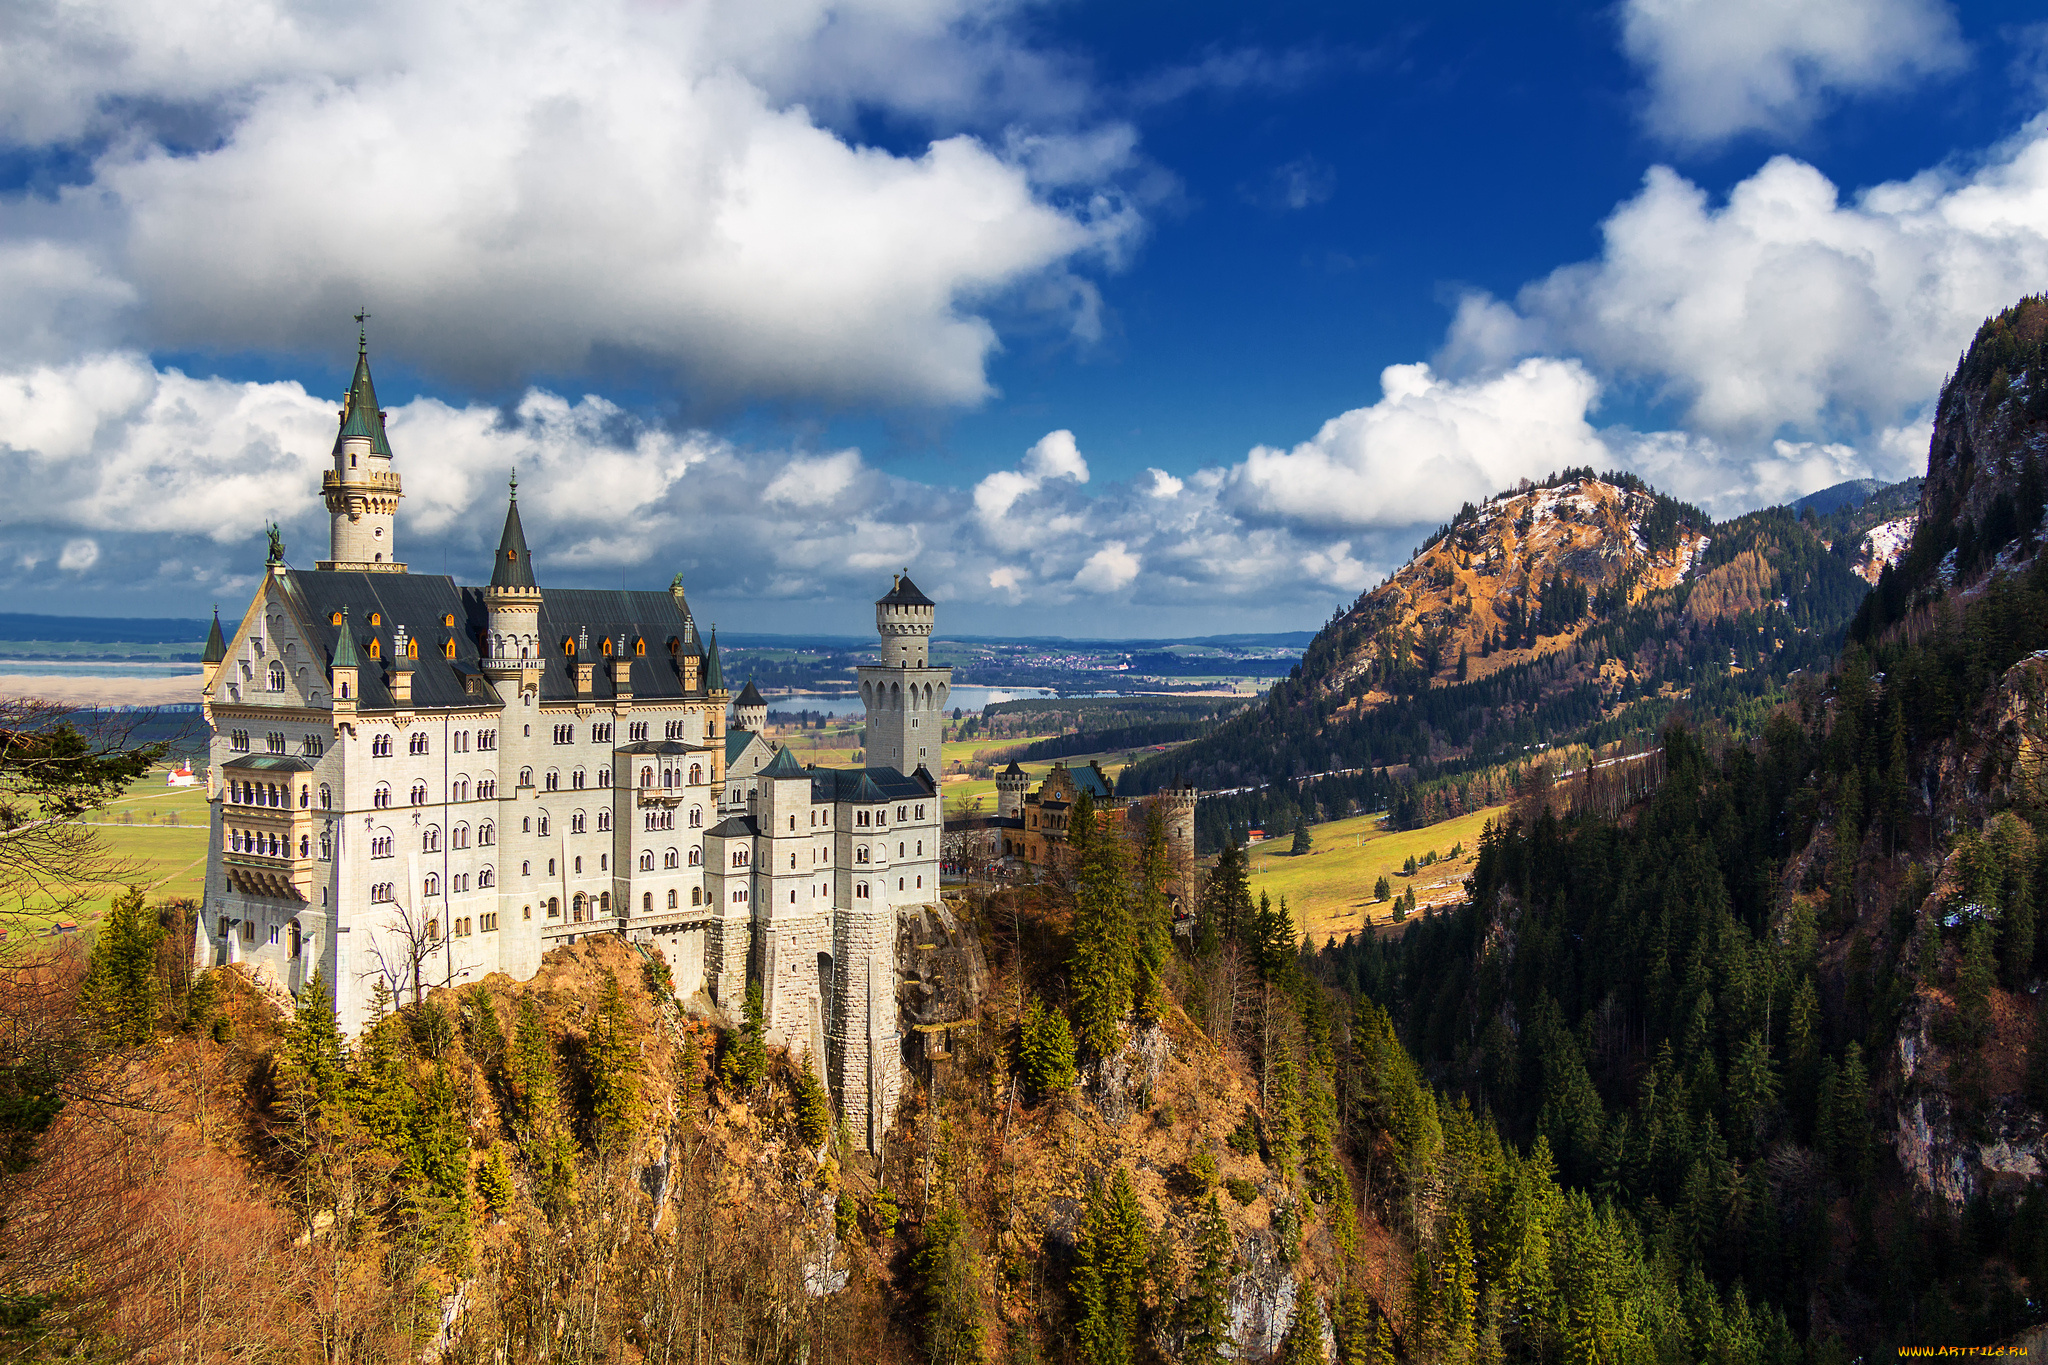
(714, 676)
(345, 647)
(216, 647)
(360, 415)
(784, 764)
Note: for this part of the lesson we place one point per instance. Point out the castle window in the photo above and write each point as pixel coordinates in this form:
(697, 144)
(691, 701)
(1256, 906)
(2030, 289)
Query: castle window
(860, 818)
(460, 743)
(569, 646)
(601, 734)
(487, 739)
(920, 812)
(579, 865)
(604, 821)
(554, 907)
(899, 850)
(604, 901)
(383, 796)
(326, 847)
(576, 821)
(860, 891)
(554, 780)
(920, 848)
(526, 777)
(276, 674)
(604, 777)
(376, 650)
(305, 798)
(312, 746)
(696, 895)
(605, 647)
(412, 647)
(576, 779)
(487, 922)
(551, 867)
(459, 791)
(486, 834)
(647, 777)
(380, 846)
(646, 902)
(274, 741)
(902, 814)
(672, 730)
(739, 857)
(565, 734)
(448, 648)
(380, 746)
(432, 885)
(526, 869)
(696, 774)
(671, 898)
(639, 647)
(576, 908)
(636, 731)
(671, 859)
(860, 854)
(899, 883)
(486, 879)
(417, 745)
(430, 839)
(544, 834)
(647, 860)
(419, 793)
(335, 619)
(238, 740)
(696, 857)
(459, 837)
(449, 620)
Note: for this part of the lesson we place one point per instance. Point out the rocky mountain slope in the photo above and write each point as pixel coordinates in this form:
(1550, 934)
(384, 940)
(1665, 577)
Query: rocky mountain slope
(1579, 611)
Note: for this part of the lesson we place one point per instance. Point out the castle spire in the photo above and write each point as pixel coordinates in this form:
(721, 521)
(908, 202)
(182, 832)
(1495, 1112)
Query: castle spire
(216, 646)
(360, 415)
(514, 565)
(714, 674)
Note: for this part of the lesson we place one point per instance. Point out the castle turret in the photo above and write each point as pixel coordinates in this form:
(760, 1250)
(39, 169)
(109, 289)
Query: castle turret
(362, 490)
(1011, 784)
(904, 696)
(750, 709)
(512, 601)
(344, 674)
(216, 652)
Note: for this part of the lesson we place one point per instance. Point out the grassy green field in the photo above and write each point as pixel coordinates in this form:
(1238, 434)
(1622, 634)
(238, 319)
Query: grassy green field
(1330, 888)
(159, 834)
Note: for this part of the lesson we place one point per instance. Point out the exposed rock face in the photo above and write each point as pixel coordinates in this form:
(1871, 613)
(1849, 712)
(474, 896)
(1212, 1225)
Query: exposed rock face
(940, 979)
(2001, 1158)
(1991, 427)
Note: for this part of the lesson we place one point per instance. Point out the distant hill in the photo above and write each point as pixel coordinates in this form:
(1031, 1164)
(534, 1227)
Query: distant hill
(1581, 610)
(139, 630)
(1849, 494)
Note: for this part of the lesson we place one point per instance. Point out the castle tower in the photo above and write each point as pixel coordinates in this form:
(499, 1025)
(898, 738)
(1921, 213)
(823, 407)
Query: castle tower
(905, 697)
(1011, 784)
(513, 601)
(1177, 807)
(750, 709)
(362, 490)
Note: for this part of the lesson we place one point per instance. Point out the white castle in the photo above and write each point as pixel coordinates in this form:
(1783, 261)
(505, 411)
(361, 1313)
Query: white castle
(421, 783)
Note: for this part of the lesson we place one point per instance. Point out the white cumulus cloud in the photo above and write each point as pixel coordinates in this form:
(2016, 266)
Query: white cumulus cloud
(1720, 68)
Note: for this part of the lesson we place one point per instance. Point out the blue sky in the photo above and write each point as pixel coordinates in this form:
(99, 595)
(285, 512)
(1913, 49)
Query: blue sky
(1116, 319)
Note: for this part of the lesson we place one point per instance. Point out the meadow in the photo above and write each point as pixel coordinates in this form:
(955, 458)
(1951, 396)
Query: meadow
(158, 834)
(1329, 889)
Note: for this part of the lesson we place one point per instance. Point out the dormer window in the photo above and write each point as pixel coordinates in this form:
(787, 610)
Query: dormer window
(376, 651)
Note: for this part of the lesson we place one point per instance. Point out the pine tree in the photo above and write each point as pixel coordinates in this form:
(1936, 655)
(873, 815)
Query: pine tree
(746, 1056)
(1974, 979)
(1226, 898)
(1302, 842)
(120, 990)
(949, 1289)
(494, 1180)
(614, 1055)
(1045, 1048)
(1101, 967)
(312, 1072)
(1382, 889)
(1852, 1129)
(1303, 1344)
(480, 1031)
(1110, 1261)
(813, 1107)
(1203, 1320)
(1155, 927)
(1354, 1324)
(530, 1074)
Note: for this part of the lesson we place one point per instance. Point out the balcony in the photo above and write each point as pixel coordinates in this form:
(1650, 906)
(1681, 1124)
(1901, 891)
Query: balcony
(365, 480)
(666, 797)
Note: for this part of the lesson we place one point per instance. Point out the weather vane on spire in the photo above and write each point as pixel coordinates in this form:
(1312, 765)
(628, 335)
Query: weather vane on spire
(362, 333)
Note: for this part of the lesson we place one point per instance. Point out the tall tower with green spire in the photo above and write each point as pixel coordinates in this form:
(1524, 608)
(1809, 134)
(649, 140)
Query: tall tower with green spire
(362, 490)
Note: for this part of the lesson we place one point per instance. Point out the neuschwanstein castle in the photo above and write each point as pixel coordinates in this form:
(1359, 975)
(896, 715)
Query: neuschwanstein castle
(423, 783)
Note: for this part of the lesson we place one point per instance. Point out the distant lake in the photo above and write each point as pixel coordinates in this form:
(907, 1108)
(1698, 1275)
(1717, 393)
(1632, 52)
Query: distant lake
(968, 699)
(61, 668)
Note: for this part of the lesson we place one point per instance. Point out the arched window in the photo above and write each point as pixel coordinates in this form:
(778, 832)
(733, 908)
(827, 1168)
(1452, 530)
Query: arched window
(305, 797)
(486, 878)
(696, 817)
(646, 901)
(576, 822)
(276, 676)
(576, 908)
(604, 902)
(860, 891)
(671, 898)
(326, 797)
(382, 797)
(604, 777)
(544, 828)
(647, 860)
(671, 859)
(459, 837)
(326, 846)
(554, 780)
(433, 885)
(486, 834)
(578, 867)
(696, 774)
(526, 777)
(604, 821)
(696, 857)
(430, 839)
(419, 793)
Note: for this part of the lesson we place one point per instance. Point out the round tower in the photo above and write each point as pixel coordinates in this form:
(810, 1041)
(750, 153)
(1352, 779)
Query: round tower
(1011, 784)
(904, 621)
(750, 709)
(362, 490)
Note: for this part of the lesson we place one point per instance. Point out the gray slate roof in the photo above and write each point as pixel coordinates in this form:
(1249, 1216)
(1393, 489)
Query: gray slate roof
(750, 695)
(733, 827)
(864, 786)
(905, 594)
(420, 602)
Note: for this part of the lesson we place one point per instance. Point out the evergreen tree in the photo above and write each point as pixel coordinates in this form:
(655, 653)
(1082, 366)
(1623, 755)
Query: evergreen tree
(813, 1107)
(530, 1075)
(1974, 980)
(1851, 1126)
(1155, 924)
(949, 1289)
(1110, 1261)
(480, 1031)
(1303, 1344)
(1226, 898)
(746, 1056)
(1302, 842)
(1203, 1320)
(614, 1056)
(494, 1180)
(1101, 968)
(1382, 889)
(1045, 1048)
(1752, 1091)
(120, 990)
(312, 1072)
